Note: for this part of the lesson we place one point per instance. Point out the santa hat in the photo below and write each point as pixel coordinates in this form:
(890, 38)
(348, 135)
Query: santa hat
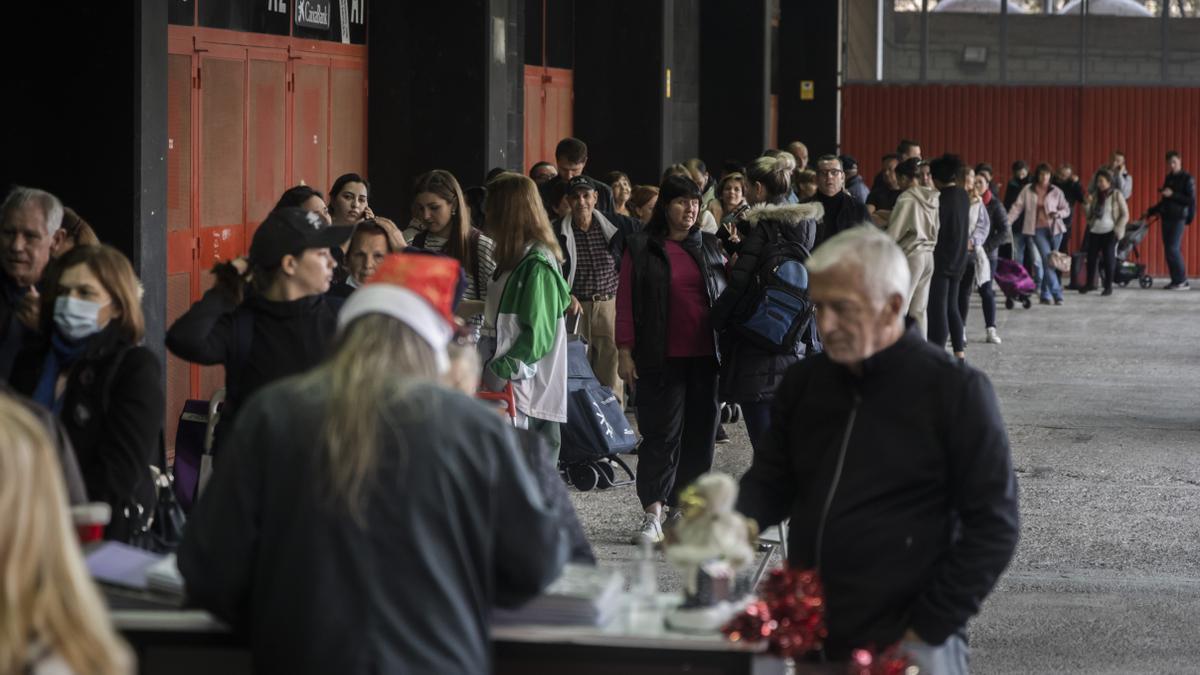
(415, 289)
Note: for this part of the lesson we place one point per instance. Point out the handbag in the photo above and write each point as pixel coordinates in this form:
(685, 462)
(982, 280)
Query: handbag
(1060, 261)
(158, 529)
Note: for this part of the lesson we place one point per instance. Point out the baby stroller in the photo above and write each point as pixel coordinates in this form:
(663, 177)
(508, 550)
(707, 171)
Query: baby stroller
(1128, 270)
(596, 431)
(1014, 282)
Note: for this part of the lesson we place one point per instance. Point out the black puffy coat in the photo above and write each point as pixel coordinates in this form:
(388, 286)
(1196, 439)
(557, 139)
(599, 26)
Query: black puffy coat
(113, 408)
(750, 374)
(650, 273)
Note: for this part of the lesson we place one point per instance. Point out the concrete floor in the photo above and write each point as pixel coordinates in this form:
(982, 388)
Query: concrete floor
(1103, 411)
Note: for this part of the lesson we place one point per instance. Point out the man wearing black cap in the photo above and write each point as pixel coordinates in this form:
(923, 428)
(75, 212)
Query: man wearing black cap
(592, 245)
(279, 323)
(855, 185)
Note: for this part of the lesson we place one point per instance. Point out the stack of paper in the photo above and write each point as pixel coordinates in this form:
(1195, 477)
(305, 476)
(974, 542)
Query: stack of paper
(121, 565)
(582, 596)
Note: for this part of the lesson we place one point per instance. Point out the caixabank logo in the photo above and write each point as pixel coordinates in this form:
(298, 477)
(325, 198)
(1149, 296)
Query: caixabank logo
(313, 13)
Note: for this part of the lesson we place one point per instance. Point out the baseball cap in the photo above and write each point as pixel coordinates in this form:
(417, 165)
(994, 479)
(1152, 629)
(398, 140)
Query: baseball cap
(418, 290)
(290, 231)
(580, 183)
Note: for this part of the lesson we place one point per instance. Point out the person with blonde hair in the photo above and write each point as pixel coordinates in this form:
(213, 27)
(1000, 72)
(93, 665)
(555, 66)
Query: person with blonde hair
(52, 619)
(352, 529)
(90, 369)
(526, 301)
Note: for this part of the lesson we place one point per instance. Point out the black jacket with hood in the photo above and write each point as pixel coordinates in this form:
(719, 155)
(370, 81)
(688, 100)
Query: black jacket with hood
(750, 374)
(900, 488)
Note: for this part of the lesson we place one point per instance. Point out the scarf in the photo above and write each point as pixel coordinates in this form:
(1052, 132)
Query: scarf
(1097, 210)
(987, 196)
(63, 354)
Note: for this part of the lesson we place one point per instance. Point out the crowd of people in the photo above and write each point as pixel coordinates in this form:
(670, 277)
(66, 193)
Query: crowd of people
(352, 462)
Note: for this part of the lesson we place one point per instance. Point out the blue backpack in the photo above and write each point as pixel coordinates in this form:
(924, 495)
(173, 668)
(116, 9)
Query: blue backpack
(777, 310)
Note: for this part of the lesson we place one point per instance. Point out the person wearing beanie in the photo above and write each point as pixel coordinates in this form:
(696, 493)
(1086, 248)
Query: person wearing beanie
(352, 529)
(671, 276)
(267, 316)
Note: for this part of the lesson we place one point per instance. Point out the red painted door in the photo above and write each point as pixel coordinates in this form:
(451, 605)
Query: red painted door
(549, 111)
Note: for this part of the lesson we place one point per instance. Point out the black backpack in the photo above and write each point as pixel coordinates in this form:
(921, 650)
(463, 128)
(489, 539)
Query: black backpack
(776, 309)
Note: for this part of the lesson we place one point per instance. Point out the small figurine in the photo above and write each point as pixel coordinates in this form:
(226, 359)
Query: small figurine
(710, 545)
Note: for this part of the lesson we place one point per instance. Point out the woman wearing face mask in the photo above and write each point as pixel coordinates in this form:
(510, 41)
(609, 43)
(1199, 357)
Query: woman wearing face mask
(671, 274)
(91, 371)
(267, 317)
(774, 231)
(443, 225)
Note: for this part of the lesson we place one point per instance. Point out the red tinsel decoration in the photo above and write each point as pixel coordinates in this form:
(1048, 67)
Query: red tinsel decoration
(789, 614)
(890, 661)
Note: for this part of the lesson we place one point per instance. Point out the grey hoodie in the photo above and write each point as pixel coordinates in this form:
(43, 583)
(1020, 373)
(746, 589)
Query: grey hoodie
(914, 220)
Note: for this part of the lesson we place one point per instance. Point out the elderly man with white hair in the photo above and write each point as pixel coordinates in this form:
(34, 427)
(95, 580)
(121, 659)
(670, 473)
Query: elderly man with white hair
(30, 227)
(891, 460)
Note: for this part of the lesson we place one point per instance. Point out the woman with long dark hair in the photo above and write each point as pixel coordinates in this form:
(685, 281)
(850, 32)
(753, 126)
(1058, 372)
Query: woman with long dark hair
(443, 225)
(671, 275)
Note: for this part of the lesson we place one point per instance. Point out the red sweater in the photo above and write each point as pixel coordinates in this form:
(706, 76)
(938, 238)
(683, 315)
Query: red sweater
(689, 329)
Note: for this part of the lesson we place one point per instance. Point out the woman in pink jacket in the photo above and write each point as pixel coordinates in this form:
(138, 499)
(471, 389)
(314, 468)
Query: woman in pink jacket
(1046, 206)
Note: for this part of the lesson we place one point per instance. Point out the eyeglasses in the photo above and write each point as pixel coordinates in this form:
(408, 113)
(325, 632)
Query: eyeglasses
(829, 172)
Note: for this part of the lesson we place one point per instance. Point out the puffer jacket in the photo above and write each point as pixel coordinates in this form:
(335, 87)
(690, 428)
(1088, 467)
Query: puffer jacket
(749, 374)
(914, 222)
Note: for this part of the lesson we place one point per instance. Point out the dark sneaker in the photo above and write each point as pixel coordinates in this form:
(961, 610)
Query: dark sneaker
(1058, 301)
(1043, 301)
(1185, 286)
(722, 437)
(1107, 291)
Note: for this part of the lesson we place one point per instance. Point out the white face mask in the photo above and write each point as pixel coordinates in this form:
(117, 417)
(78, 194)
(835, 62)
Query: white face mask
(75, 318)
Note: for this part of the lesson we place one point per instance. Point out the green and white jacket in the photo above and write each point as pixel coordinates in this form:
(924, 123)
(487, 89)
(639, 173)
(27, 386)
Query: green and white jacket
(525, 307)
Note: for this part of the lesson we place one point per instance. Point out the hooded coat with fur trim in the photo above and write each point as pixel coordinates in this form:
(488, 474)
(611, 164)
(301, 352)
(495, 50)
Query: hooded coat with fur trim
(749, 374)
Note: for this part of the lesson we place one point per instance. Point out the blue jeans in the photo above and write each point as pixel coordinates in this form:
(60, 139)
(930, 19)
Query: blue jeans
(1021, 243)
(1172, 235)
(1049, 284)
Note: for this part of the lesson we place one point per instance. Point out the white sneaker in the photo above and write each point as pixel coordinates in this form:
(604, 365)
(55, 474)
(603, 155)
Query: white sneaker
(993, 337)
(650, 531)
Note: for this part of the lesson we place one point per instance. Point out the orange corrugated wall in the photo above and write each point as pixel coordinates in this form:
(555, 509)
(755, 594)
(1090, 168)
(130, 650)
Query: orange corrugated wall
(1054, 124)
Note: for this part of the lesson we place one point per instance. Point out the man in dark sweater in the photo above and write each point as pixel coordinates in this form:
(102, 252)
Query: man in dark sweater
(892, 461)
(1177, 207)
(842, 211)
(1067, 180)
(950, 255)
(30, 227)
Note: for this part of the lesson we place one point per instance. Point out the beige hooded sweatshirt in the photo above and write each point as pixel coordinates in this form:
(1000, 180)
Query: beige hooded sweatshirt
(914, 220)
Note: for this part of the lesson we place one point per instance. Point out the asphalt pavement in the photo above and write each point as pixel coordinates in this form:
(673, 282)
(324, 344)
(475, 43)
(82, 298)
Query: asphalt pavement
(1102, 400)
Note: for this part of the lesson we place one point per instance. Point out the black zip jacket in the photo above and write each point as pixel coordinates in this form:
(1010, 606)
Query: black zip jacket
(842, 212)
(1013, 190)
(650, 274)
(113, 408)
(1181, 205)
(900, 488)
(954, 214)
(750, 374)
(12, 332)
(1000, 233)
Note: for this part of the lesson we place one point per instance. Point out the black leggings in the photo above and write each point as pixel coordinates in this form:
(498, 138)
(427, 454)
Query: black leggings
(986, 295)
(1097, 245)
(944, 319)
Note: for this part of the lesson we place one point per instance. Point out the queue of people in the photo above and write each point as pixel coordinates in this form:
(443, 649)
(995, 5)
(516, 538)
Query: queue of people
(347, 341)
